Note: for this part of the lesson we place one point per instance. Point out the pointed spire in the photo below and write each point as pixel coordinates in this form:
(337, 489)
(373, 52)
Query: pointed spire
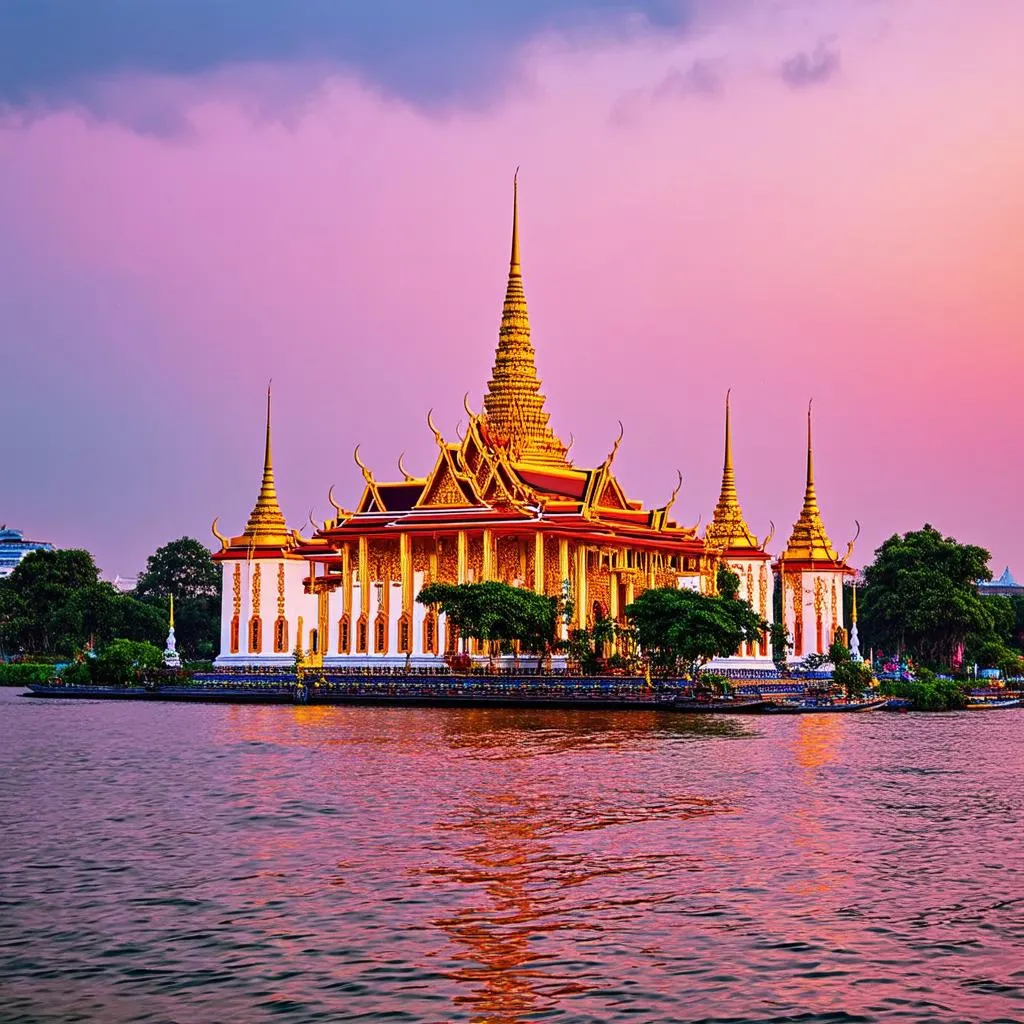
(514, 405)
(853, 608)
(809, 541)
(728, 529)
(171, 621)
(513, 264)
(266, 525)
(810, 497)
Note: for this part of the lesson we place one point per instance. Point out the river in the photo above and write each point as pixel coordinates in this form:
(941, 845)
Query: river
(201, 863)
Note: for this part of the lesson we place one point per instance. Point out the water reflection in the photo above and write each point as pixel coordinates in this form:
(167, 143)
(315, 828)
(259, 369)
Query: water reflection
(307, 863)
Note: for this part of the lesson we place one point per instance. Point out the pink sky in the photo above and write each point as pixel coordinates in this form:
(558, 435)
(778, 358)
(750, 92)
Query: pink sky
(854, 235)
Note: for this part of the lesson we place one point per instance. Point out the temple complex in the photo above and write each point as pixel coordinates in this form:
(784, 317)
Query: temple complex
(503, 502)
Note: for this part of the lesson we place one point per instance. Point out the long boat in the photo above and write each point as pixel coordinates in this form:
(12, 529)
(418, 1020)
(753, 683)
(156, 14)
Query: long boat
(818, 707)
(988, 705)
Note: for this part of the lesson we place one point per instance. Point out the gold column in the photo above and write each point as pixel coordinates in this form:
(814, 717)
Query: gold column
(613, 596)
(487, 540)
(563, 559)
(405, 562)
(581, 586)
(364, 578)
(462, 557)
(346, 573)
(538, 562)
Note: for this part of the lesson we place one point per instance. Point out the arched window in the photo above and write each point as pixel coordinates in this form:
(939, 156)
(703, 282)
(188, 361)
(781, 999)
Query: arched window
(404, 635)
(430, 634)
(361, 635)
(255, 635)
(234, 635)
(380, 634)
(314, 641)
(343, 635)
(281, 635)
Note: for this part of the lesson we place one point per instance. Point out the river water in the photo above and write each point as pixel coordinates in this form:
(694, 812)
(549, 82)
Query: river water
(197, 863)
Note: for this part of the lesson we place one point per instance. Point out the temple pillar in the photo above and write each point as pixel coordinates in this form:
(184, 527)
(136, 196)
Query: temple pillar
(581, 586)
(405, 568)
(538, 562)
(364, 578)
(462, 557)
(487, 543)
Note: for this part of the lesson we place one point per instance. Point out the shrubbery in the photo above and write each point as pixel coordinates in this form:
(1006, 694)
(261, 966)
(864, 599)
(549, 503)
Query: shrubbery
(928, 692)
(23, 673)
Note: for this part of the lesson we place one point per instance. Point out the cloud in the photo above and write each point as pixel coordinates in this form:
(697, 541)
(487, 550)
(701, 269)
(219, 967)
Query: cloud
(702, 79)
(437, 53)
(810, 68)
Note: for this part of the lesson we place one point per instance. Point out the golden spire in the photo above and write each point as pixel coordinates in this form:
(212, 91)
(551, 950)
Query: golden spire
(516, 417)
(171, 623)
(853, 608)
(809, 541)
(728, 529)
(266, 526)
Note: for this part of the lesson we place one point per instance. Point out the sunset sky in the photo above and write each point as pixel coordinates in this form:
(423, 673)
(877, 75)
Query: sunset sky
(788, 198)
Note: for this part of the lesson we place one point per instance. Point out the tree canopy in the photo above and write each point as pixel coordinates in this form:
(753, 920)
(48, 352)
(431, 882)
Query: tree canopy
(54, 603)
(679, 631)
(495, 611)
(185, 569)
(920, 596)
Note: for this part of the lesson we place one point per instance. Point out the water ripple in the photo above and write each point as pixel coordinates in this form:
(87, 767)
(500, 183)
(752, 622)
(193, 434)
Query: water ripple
(166, 863)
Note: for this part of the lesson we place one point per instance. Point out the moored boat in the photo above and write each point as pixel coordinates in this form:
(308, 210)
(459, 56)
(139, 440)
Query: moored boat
(989, 705)
(825, 706)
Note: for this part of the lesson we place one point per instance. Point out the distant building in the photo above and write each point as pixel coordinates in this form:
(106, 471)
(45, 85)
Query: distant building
(14, 547)
(1002, 586)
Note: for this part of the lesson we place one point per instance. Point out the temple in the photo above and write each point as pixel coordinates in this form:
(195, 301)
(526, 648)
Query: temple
(505, 502)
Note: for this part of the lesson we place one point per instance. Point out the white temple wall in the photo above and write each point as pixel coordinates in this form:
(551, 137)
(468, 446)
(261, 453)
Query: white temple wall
(268, 589)
(820, 595)
(756, 588)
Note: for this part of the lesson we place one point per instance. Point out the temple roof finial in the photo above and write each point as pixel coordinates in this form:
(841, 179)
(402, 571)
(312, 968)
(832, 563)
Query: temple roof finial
(266, 526)
(728, 528)
(516, 418)
(514, 267)
(809, 541)
(171, 619)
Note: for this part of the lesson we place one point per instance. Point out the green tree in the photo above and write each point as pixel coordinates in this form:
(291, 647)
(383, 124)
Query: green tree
(920, 596)
(782, 642)
(727, 581)
(497, 612)
(125, 661)
(186, 569)
(680, 630)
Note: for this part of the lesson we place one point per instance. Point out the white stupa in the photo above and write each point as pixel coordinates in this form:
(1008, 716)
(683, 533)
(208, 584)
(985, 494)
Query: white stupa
(171, 657)
(854, 638)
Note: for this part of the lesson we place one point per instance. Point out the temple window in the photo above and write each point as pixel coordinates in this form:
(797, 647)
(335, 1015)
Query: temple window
(281, 635)
(430, 635)
(255, 635)
(361, 635)
(380, 635)
(343, 635)
(234, 635)
(404, 635)
(314, 641)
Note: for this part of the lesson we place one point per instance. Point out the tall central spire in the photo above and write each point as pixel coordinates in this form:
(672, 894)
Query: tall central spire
(266, 526)
(809, 539)
(516, 416)
(728, 528)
